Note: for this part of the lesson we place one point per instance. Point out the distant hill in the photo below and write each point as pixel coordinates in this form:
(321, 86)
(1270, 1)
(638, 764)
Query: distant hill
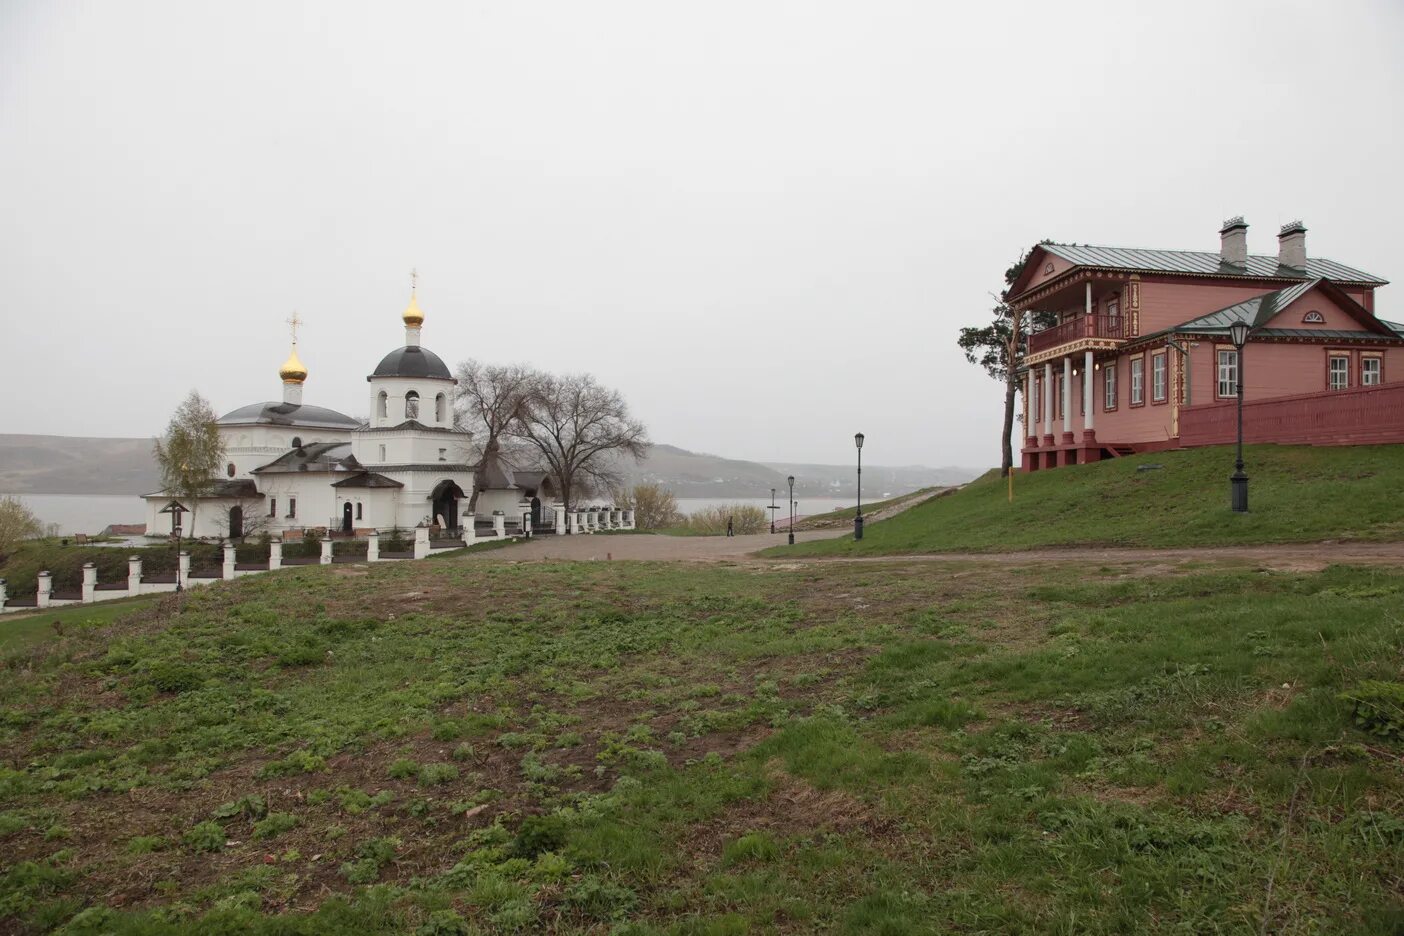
(45, 464)
(42, 464)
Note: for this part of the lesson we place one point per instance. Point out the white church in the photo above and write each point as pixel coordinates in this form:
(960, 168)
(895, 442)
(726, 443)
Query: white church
(293, 466)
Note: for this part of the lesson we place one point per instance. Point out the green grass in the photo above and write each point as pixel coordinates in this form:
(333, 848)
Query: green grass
(644, 748)
(21, 628)
(844, 516)
(1297, 495)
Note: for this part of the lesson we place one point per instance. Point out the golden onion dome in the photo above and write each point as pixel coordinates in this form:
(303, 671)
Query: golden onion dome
(293, 370)
(413, 314)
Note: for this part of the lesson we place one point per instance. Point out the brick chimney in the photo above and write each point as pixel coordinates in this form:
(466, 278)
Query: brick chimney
(1291, 246)
(1233, 241)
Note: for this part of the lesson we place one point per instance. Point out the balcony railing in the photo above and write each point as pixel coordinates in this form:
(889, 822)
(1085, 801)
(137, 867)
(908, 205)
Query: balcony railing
(1079, 326)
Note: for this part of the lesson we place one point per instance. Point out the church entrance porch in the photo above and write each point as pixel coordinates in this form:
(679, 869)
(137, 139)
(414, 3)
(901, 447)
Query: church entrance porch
(445, 500)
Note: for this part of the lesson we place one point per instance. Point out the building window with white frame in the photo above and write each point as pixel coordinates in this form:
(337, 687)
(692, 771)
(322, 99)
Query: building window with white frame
(1138, 381)
(272, 506)
(1371, 371)
(1339, 372)
(1109, 385)
(292, 508)
(1228, 373)
(382, 454)
(1160, 378)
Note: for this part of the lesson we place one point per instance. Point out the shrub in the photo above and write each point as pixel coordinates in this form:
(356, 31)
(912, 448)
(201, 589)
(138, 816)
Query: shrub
(654, 506)
(1379, 707)
(745, 518)
(435, 774)
(403, 769)
(205, 837)
(276, 824)
(167, 676)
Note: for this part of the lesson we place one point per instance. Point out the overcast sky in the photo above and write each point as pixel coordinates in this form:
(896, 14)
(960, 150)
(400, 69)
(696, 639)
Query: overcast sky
(762, 222)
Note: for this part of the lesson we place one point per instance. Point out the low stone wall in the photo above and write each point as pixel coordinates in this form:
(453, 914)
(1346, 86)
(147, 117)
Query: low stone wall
(137, 583)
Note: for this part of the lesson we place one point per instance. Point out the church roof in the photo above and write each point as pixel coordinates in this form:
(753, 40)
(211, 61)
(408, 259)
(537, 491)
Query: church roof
(238, 488)
(319, 456)
(496, 474)
(412, 361)
(367, 479)
(288, 414)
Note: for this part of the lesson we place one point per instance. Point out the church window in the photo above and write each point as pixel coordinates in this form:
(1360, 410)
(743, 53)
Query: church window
(443, 454)
(358, 510)
(381, 404)
(382, 453)
(412, 405)
(229, 469)
(1314, 318)
(292, 508)
(272, 506)
(440, 405)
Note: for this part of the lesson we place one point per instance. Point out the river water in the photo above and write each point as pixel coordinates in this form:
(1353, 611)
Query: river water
(90, 513)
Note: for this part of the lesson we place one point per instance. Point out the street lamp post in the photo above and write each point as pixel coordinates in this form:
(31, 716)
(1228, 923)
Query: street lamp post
(858, 517)
(177, 539)
(1238, 483)
(792, 510)
(773, 508)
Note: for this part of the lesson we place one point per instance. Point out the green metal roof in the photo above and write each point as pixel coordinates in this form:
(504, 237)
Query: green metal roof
(1207, 262)
(1256, 311)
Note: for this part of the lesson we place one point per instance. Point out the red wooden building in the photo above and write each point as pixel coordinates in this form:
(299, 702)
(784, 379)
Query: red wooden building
(1140, 357)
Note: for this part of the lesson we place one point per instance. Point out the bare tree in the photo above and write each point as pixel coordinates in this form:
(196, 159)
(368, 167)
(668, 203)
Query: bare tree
(190, 453)
(580, 430)
(490, 399)
(654, 506)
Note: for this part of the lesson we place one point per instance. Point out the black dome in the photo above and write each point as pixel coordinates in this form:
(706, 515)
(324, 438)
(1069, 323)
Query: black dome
(412, 361)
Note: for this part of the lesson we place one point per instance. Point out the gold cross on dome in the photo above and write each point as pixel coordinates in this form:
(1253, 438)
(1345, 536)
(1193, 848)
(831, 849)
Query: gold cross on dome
(414, 279)
(293, 323)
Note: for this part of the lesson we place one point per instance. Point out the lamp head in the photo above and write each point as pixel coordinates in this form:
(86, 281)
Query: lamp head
(1238, 334)
(791, 479)
(858, 440)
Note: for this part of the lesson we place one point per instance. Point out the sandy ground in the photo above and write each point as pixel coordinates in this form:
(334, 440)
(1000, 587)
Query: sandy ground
(1304, 556)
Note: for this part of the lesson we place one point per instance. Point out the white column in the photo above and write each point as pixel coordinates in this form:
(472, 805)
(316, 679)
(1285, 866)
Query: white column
(183, 569)
(1067, 394)
(499, 524)
(1047, 397)
(560, 522)
(4, 594)
(229, 558)
(1089, 297)
(89, 583)
(1087, 392)
(275, 554)
(46, 589)
(327, 550)
(373, 546)
(421, 542)
(134, 575)
(1029, 414)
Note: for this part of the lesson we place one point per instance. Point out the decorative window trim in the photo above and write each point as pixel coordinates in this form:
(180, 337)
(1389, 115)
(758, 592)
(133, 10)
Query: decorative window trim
(1372, 356)
(1339, 354)
(1313, 318)
(1109, 399)
(1218, 382)
(1164, 397)
(1131, 374)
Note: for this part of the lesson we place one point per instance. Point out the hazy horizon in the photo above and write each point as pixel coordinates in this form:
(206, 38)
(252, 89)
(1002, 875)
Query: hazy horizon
(762, 223)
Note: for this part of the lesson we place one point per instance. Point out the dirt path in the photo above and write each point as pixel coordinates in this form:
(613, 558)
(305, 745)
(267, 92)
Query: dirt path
(1297, 556)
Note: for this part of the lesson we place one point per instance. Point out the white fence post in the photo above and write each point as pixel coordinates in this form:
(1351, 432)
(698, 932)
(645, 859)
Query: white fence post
(327, 551)
(4, 594)
(228, 560)
(134, 575)
(89, 583)
(421, 542)
(183, 569)
(373, 546)
(560, 522)
(499, 524)
(275, 554)
(46, 589)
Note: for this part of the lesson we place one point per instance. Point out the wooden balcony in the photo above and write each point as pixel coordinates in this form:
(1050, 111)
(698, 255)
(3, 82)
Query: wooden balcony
(1079, 326)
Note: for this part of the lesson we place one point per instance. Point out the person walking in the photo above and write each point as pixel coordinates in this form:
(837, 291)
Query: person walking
(729, 530)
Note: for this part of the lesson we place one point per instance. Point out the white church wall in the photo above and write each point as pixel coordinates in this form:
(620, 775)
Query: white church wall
(509, 502)
(396, 389)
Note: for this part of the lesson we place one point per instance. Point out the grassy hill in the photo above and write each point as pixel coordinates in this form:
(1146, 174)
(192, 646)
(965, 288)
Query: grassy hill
(461, 746)
(1296, 494)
